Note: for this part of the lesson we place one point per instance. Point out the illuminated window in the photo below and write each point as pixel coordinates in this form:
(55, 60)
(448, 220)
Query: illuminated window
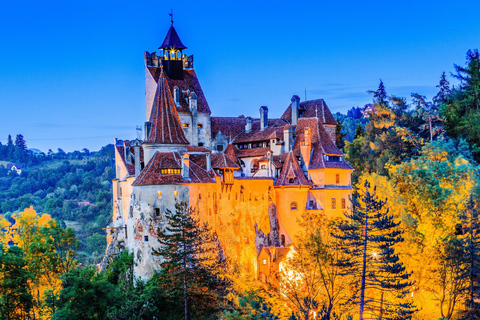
(175, 193)
(199, 125)
(264, 166)
(186, 125)
(170, 171)
(293, 206)
(264, 261)
(334, 203)
(159, 194)
(337, 178)
(343, 204)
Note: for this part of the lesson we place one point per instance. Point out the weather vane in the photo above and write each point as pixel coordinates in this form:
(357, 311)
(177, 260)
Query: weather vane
(171, 17)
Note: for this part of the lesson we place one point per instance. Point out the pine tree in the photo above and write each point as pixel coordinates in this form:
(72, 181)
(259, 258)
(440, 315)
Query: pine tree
(9, 141)
(339, 136)
(379, 95)
(20, 142)
(368, 239)
(444, 90)
(358, 132)
(192, 263)
(471, 261)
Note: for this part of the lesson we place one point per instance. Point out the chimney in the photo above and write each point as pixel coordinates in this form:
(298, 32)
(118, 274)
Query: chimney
(186, 166)
(248, 125)
(263, 117)
(136, 149)
(288, 138)
(209, 161)
(148, 125)
(192, 102)
(295, 105)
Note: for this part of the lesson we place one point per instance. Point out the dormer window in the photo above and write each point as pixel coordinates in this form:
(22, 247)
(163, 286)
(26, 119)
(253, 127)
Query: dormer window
(176, 95)
(170, 171)
(333, 158)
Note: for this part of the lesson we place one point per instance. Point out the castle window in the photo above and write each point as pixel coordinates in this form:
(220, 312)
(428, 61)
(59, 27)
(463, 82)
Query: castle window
(200, 144)
(344, 203)
(293, 206)
(291, 180)
(176, 95)
(310, 204)
(334, 203)
(199, 196)
(245, 239)
(157, 212)
(334, 158)
(159, 194)
(170, 171)
(199, 125)
(337, 179)
(264, 261)
(219, 147)
(175, 193)
(282, 241)
(145, 238)
(264, 166)
(186, 125)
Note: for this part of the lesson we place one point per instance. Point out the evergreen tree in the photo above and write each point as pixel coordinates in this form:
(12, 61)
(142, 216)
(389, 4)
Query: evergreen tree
(9, 141)
(339, 136)
(358, 132)
(16, 301)
(444, 90)
(20, 142)
(429, 113)
(192, 265)
(379, 95)
(368, 240)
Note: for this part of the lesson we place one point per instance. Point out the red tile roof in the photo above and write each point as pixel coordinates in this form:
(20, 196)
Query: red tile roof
(230, 127)
(197, 149)
(291, 170)
(189, 83)
(166, 127)
(274, 130)
(151, 174)
(220, 161)
(311, 108)
(231, 151)
(256, 152)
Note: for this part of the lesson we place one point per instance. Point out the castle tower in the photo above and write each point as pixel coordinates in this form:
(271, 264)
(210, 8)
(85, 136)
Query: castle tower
(164, 130)
(172, 48)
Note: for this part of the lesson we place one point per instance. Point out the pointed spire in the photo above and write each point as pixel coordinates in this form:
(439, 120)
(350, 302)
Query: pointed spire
(172, 40)
(166, 127)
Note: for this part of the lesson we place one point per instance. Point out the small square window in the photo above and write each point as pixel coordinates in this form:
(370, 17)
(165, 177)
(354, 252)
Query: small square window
(344, 204)
(157, 212)
(145, 238)
(219, 147)
(264, 261)
(291, 180)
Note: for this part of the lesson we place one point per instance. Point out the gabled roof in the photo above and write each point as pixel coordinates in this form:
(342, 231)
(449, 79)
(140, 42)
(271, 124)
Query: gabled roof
(291, 170)
(231, 151)
(166, 127)
(172, 40)
(189, 83)
(151, 174)
(230, 127)
(221, 161)
(311, 108)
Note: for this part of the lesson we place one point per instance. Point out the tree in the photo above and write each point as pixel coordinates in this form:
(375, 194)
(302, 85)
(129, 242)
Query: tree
(16, 301)
(358, 132)
(339, 136)
(20, 142)
(9, 141)
(367, 239)
(444, 90)
(429, 113)
(191, 266)
(379, 95)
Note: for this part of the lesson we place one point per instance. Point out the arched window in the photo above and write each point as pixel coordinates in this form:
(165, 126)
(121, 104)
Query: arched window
(254, 166)
(293, 206)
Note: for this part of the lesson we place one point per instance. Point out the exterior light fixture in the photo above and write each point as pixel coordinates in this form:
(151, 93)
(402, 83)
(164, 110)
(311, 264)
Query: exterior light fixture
(175, 193)
(159, 194)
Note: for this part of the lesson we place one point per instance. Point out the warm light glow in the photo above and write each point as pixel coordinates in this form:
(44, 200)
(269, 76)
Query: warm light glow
(159, 194)
(175, 193)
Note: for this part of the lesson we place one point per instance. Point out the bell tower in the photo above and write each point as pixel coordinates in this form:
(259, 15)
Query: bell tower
(172, 51)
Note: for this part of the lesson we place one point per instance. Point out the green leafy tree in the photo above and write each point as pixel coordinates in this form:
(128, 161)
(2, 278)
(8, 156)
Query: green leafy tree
(368, 241)
(16, 301)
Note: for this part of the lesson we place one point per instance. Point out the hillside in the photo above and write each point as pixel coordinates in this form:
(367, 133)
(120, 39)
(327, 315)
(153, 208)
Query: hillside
(74, 188)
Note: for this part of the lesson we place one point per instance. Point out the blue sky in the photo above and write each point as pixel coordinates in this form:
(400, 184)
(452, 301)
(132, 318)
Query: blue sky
(71, 72)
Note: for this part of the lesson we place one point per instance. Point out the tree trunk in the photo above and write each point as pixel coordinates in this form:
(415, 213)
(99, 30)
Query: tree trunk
(364, 266)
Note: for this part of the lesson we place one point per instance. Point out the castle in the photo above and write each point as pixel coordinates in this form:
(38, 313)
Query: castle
(249, 178)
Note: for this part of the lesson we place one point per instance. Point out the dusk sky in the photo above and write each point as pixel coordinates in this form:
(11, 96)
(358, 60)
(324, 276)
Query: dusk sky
(72, 74)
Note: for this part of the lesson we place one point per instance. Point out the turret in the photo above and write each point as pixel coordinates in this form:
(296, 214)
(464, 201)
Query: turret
(172, 49)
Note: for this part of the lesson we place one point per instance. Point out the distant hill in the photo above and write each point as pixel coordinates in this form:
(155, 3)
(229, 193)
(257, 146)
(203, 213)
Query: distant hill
(75, 188)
